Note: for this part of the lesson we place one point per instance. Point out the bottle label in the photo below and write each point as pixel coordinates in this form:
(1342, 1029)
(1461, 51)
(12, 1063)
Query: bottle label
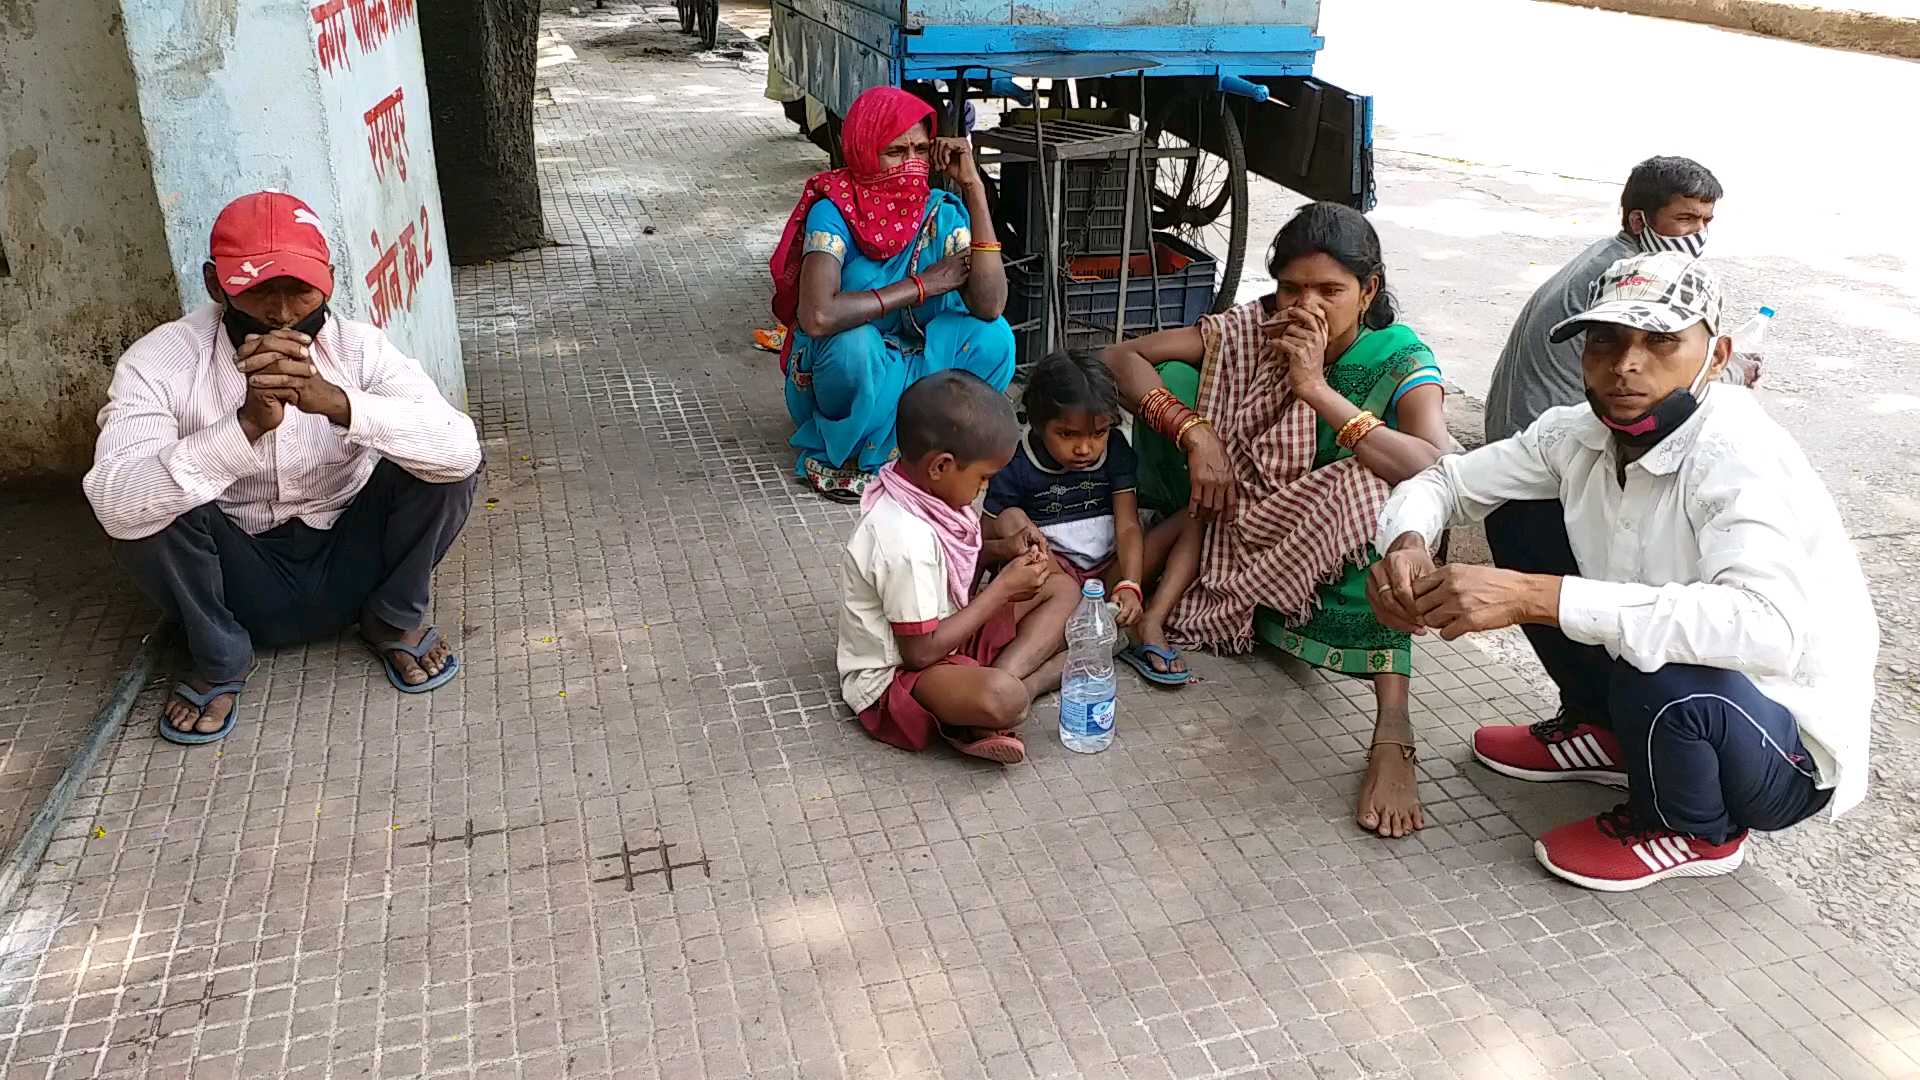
(1100, 717)
(1089, 719)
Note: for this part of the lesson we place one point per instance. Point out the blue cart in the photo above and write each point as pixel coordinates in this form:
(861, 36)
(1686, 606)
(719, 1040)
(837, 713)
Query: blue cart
(1220, 89)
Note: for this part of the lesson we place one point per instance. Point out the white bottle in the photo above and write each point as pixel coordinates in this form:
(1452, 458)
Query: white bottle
(1744, 368)
(1087, 685)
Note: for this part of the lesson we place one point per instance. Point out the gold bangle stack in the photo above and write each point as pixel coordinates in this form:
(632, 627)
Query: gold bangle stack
(1356, 429)
(1191, 422)
(985, 245)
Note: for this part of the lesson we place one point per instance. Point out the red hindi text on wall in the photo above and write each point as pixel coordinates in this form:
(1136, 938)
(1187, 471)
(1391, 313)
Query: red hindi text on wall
(387, 135)
(372, 22)
(398, 268)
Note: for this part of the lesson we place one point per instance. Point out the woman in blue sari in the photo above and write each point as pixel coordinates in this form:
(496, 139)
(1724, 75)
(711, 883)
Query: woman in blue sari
(884, 279)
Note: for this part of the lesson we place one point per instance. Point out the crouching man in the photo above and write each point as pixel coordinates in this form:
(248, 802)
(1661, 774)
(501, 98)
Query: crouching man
(272, 472)
(1734, 674)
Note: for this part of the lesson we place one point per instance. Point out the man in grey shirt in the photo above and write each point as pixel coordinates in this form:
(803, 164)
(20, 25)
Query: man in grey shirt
(1665, 206)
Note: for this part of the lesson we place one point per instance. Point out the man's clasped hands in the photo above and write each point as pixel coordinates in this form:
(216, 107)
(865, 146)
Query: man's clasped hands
(1410, 594)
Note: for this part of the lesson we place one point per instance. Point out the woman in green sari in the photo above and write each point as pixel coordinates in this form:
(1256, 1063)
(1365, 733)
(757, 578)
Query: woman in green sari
(1307, 407)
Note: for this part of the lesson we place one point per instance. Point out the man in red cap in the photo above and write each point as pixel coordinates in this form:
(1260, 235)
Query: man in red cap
(274, 472)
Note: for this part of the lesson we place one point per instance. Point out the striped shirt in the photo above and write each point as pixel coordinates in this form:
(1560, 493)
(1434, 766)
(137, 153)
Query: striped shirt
(170, 440)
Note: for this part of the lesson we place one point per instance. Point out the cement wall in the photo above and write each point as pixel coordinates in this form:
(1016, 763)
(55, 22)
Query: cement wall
(80, 229)
(326, 100)
(125, 125)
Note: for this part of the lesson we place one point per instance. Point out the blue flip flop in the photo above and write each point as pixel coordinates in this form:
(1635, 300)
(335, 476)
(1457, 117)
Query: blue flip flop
(419, 653)
(1136, 657)
(200, 701)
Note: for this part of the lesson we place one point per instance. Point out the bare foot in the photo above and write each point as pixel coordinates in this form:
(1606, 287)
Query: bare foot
(184, 715)
(411, 672)
(1153, 633)
(1389, 795)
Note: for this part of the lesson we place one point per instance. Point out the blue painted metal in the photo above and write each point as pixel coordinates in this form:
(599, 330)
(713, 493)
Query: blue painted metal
(1210, 51)
(1007, 88)
(1112, 12)
(1206, 65)
(1234, 84)
(1151, 40)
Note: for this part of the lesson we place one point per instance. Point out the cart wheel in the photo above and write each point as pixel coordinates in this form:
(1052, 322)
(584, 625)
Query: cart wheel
(1202, 198)
(685, 8)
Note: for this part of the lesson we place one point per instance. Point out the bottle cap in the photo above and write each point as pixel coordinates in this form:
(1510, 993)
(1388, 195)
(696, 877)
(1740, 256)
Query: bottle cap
(1093, 587)
(1767, 312)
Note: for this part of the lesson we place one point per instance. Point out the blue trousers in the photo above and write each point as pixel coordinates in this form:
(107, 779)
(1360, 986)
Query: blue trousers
(1531, 537)
(1707, 754)
(844, 390)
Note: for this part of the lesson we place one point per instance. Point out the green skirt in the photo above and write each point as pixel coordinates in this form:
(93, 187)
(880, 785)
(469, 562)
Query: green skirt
(1342, 634)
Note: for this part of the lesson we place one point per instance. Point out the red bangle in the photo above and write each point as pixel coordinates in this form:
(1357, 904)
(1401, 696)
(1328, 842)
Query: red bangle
(1134, 585)
(881, 299)
(922, 287)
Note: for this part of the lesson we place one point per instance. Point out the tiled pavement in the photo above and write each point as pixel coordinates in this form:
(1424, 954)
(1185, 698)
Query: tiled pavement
(69, 625)
(640, 837)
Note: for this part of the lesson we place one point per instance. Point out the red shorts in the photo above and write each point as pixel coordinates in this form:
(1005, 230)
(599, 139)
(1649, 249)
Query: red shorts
(897, 719)
(1079, 576)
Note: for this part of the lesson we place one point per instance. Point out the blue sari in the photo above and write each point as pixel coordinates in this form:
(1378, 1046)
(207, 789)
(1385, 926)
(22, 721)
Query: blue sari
(842, 390)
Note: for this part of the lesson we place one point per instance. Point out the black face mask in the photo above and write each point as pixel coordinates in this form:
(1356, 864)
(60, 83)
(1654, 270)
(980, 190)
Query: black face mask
(1653, 425)
(239, 324)
(1663, 419)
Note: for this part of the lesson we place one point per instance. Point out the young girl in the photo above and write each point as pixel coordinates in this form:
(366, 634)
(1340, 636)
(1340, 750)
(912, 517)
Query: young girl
(922, 653)
(1069, 492)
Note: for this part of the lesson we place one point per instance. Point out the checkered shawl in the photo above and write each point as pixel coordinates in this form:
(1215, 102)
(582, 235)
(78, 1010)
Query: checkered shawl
(1292, 527)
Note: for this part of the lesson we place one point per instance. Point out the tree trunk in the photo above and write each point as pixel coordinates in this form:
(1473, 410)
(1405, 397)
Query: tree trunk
(481, 57)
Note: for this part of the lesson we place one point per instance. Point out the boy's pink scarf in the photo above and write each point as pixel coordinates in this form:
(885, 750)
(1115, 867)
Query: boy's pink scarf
(957, 530)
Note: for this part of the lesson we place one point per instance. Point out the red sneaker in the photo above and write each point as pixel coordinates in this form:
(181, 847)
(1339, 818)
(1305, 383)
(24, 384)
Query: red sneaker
(1614, 852)
(1560, 748)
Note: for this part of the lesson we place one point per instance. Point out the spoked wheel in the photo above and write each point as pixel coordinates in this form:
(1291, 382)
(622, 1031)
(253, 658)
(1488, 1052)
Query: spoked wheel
(1201, 197)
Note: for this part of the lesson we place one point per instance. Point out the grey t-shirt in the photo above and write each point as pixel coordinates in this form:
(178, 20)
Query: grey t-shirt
(1534, 374)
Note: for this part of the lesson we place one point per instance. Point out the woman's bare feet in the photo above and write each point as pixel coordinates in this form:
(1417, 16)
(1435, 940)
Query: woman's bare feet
(1389, 795)
(411, 672)
(184, 716)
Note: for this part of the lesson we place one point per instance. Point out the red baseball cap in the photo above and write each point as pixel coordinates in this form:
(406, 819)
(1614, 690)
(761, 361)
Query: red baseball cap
(266, 235)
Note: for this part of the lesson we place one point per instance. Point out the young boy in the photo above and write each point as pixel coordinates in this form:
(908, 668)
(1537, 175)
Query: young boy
(920, 653)
(1069, 491)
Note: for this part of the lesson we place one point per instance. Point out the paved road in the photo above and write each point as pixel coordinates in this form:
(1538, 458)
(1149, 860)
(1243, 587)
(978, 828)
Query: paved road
(1505, 128)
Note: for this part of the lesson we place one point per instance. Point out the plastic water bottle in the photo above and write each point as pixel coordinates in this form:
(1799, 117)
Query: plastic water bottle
(1744, 367)
(1088, 686)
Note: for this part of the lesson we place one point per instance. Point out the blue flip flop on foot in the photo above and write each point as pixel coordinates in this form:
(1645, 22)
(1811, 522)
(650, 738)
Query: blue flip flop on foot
(200, 701)
(1136, 657)
(428, 640)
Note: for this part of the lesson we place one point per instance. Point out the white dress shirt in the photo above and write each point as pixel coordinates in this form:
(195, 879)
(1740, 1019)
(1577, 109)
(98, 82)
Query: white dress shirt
(1722, 549)
(170, 440)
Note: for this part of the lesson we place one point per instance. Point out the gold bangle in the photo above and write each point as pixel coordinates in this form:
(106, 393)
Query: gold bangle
(1356, 429)
(1191, 422)
(986, 245)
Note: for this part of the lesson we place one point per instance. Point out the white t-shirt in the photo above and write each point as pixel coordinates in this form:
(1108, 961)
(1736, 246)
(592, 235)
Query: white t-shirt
(893, 579)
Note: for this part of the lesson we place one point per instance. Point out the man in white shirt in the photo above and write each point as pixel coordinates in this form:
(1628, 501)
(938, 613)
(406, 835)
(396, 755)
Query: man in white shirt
(273, 472)
(1713, 569)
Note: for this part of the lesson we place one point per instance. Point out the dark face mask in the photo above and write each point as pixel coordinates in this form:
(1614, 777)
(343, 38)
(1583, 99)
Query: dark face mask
(239, 324)
(1663, 419)
(1653, 425)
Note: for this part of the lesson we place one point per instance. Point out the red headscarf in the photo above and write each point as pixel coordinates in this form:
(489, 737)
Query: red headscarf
(882, 207)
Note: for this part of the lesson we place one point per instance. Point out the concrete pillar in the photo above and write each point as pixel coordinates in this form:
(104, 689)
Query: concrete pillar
(126, 124)
(327, 100)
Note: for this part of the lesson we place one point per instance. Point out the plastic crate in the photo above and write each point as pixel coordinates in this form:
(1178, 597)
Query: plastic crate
(1092, 297)
(1093, 206)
